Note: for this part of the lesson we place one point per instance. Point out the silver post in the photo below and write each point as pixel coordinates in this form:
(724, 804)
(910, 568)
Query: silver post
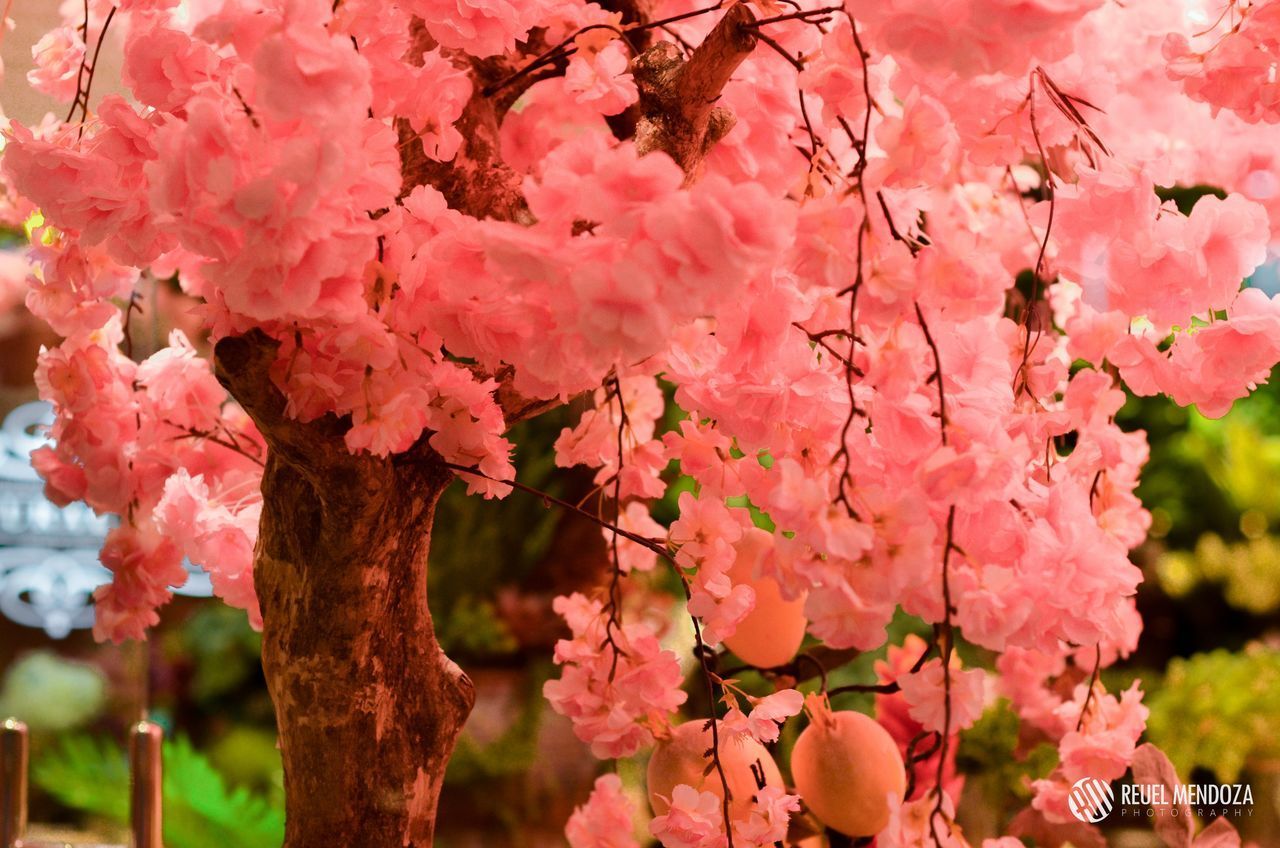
(146, 771)
(13, 782)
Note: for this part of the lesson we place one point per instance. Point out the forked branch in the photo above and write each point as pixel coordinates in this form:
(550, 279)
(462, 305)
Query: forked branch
(678, 97)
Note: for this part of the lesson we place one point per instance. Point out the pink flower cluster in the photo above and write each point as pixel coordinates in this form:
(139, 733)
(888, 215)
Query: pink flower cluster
(151, 442)
(1239, 70)
(924, 691)
(617, 684)
(1100, 738)
(696, 820)
(706, 534)
(873, 415)
(619, 256)
(972, 37)
(605, 820)
(765, 716)
(894, 712)
(480, 27)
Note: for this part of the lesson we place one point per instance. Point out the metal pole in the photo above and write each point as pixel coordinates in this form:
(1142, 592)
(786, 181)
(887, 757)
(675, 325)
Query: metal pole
(146, 771)
(13, 782)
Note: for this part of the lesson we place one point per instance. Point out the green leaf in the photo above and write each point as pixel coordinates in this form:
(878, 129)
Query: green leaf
(92, 775)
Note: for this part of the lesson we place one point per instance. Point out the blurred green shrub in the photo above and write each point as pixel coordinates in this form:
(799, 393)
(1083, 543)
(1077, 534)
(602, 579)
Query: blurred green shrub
(1208, 475)
(992, 758)
(1248, 571)
(50, 693)
(1218, 711)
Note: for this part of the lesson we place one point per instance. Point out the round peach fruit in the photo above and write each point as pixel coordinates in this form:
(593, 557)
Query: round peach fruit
(683, 759)
(845, 766)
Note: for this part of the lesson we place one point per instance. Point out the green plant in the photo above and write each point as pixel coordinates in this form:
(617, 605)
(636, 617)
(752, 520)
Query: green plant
(222, 648)
(91, 774)
(990, 752)
(1218, 710)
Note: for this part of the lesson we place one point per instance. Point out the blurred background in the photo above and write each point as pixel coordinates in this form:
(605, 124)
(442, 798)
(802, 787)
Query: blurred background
(1209, 659)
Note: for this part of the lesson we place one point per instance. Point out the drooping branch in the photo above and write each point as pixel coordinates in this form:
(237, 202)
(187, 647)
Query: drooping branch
(704, 654)
(678, 97)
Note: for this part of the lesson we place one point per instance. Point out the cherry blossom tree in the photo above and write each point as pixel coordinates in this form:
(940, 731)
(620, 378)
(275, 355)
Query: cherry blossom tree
(895, 260)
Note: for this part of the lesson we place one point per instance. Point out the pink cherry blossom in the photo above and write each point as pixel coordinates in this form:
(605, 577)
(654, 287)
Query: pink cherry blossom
(58, 56)
(693, 820)
(1238, 70)
(479, 28)
(894, 712)
(766, 823)
(924, 693)
(599, 79)
(216, 533)
(605, 820)
(766, 714)
(143, 565)
(180, 386)
(616, 684)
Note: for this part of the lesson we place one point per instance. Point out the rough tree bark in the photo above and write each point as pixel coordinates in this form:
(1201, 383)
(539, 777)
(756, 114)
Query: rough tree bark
(368, 707)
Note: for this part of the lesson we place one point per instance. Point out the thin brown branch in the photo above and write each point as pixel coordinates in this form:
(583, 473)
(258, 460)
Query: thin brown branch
(614, 606)
(947, 638)
(781, 51)
(913, 245)
(937, 371)
(1038, 274)
(820, 339)
(877, 688)
(702, 652)
(566, 48)
(193, 433)
(809, 16)
(82, 95)
(549, 499)
(914, 756)
(842, 455)
(1093, 683)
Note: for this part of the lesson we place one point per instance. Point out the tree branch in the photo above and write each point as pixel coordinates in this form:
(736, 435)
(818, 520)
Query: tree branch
(678, 98)
(635, 13)
(515, 406)
(242, 365)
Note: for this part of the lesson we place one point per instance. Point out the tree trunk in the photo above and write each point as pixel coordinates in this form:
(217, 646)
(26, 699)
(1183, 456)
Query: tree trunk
(367, 705)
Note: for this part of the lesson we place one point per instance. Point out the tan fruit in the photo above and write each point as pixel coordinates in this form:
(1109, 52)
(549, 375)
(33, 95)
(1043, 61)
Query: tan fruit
(771, 633)
(682, 759)
(845, 765)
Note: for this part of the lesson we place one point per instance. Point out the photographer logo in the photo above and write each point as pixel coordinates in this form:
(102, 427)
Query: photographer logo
(1090, 800)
